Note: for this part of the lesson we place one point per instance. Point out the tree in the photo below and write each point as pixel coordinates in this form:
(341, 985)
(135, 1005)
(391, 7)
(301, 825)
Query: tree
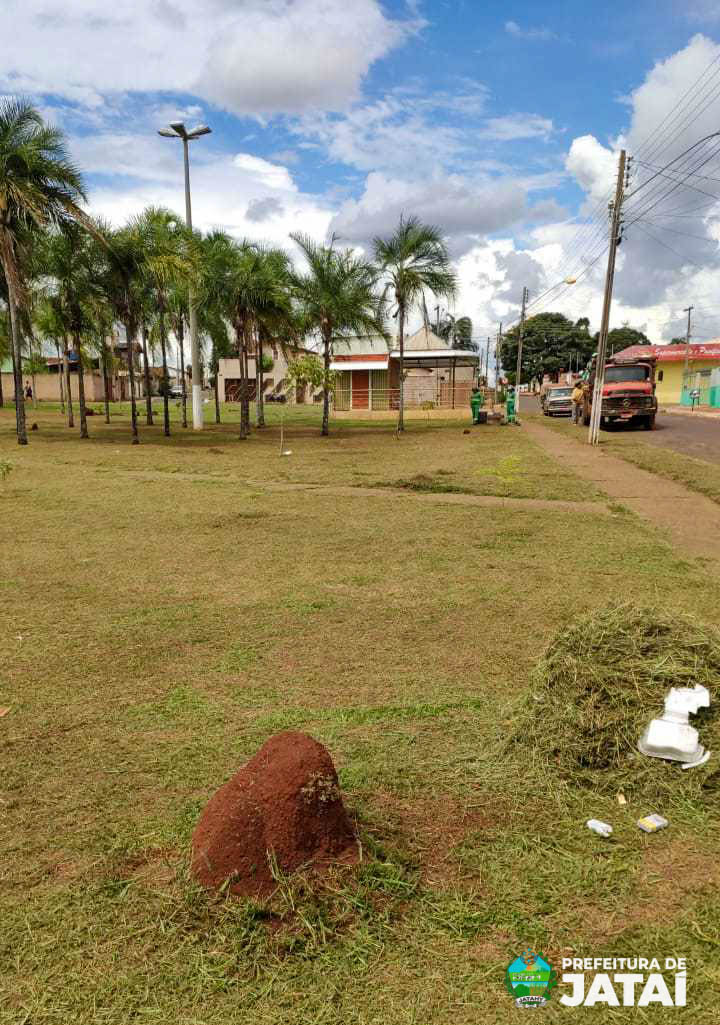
(166, 262)
(412, 261)
(623, 337)
(458, 332)
(551, 343)
(215, 256)
(71, 261)
(122, 281)
(338, 298)
(39, 186)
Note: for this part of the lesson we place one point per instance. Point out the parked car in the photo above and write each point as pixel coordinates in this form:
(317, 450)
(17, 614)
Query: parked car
(557, 400)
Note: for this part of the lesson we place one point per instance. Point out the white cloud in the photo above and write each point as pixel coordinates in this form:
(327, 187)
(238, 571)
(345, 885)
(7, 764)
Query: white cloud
(403, 129)
(235, 192)
(517, 126)
(248, 56)
(270, 175)
(593, 166)
(463, 208)
(513, 29)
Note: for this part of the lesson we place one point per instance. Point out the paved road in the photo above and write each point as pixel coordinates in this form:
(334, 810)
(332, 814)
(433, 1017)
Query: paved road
(697, 436)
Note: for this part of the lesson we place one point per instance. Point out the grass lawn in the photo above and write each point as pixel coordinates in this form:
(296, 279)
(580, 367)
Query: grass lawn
(695, 474)
(166, 608)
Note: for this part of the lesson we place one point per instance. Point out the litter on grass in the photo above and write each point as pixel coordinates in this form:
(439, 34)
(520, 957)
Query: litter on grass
(597, 681)
(601, 828)
(670, 735)
(652, 823)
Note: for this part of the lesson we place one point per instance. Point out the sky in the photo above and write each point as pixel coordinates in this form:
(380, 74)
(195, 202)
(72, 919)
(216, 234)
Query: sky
(501, 123)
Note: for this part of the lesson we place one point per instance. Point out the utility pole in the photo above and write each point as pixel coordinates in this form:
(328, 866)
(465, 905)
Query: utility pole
(521, 331)
(615, 224)
(687, 348)
(498, 343)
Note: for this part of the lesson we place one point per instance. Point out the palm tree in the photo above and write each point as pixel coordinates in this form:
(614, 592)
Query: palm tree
(122, 281)
(39, 186)
(179, 315)
(71, 261)
(412, 261)
(50, 324)
(215, 257)
(338, 298)
(273, 313)
(167, 262)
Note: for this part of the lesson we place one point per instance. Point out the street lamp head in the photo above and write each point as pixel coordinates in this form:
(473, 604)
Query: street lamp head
(570, 281)
(168, 133)
(200, 130)
(178, 127)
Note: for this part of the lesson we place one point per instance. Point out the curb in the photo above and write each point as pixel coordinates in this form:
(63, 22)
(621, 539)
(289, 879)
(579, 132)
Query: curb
(682, 411)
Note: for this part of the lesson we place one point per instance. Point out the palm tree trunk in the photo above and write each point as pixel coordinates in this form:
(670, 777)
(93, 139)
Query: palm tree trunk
(68, 388)
(131, 378)
(105, 381)
(181, 340)
(17, 367)
(81, 389)
(60, 377)
(239, 339)
(260, 384)
(148, 389)
(327, 339)
(217, 398)
(401, 345)
(166, 380)
(245, 390)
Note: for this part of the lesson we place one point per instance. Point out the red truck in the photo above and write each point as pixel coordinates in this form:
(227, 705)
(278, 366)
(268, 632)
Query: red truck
(628, 392)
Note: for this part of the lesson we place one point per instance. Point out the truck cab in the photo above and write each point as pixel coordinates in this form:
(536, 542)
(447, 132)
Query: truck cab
(628, 392)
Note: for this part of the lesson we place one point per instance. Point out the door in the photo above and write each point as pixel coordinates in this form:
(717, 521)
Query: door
(361, 389)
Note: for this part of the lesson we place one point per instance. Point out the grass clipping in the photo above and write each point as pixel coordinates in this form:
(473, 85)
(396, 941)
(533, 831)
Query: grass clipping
(603, 678)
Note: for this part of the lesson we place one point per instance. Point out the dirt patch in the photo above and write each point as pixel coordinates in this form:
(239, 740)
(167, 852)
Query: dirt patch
(281, 811)
(669, 878)
(156, 868)
(433, 828)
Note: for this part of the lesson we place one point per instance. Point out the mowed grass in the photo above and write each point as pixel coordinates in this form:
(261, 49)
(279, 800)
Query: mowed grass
(695, 474)
(166, 608)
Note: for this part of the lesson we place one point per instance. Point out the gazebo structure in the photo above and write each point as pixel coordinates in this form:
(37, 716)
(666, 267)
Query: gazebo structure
(436, 377)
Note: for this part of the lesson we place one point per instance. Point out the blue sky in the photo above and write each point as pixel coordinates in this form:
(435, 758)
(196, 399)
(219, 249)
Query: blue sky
(499, 122)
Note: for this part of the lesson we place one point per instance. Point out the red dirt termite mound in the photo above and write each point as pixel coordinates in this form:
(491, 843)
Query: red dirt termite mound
(284, 802)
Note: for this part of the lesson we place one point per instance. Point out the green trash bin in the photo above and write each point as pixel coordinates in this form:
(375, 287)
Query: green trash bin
(476, 402)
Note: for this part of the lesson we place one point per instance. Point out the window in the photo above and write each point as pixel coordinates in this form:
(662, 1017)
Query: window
(660, 374)
(635, 372)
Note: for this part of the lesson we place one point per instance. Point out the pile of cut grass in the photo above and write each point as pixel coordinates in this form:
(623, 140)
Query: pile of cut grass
(601, 680)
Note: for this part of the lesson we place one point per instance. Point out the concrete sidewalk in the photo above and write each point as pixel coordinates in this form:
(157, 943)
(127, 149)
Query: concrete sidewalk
(703, 411)
(691, 521)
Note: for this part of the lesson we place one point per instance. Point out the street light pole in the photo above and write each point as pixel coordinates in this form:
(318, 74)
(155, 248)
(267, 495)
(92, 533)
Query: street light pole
(177, 130)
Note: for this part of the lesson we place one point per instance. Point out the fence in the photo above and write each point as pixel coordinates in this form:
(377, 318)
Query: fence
(417, 395)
